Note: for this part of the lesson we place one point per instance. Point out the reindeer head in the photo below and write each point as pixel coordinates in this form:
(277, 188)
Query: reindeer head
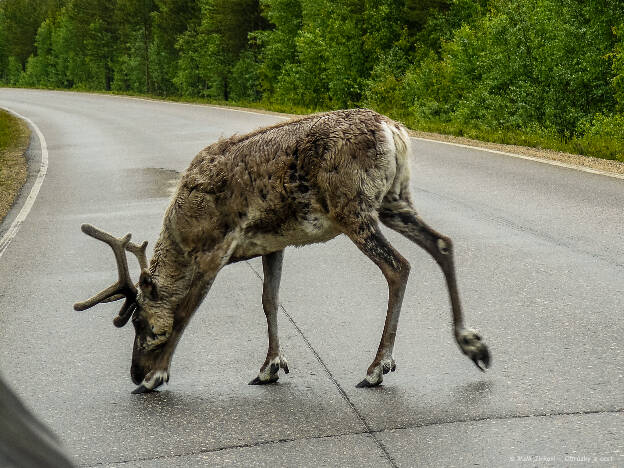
(153, 346)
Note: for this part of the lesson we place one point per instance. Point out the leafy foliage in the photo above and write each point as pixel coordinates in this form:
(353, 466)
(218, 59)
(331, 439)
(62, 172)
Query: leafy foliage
(541, 71)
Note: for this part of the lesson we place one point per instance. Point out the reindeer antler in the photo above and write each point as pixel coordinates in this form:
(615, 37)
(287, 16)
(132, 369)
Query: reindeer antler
(139, 253)
(124, 287)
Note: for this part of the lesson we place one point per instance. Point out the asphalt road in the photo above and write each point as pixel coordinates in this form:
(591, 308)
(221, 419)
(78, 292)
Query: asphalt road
(541, 271)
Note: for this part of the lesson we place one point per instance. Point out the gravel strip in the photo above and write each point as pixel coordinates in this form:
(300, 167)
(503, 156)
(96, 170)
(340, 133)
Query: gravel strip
(606, 165)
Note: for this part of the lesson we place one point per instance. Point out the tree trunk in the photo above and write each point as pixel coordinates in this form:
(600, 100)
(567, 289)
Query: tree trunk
(148, 87)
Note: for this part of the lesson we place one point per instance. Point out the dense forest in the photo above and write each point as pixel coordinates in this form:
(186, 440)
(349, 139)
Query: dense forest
(543, 72)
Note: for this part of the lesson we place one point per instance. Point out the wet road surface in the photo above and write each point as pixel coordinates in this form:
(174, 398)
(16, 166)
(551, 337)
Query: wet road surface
(540, 263)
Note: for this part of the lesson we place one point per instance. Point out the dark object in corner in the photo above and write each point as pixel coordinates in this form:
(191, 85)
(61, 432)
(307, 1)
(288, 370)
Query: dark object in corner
(24, 441)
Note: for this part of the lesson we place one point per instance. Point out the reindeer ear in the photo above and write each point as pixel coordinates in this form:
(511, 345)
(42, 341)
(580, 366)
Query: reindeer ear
(148, 285)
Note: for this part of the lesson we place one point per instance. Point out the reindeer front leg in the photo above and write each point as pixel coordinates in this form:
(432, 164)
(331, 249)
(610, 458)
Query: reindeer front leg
(272, 267)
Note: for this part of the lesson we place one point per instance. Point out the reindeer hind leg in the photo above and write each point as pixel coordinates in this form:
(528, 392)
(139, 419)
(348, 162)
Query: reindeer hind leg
(367, 236)
(401, 216)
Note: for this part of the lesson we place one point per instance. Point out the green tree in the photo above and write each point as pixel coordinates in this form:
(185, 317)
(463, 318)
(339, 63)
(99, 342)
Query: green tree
(92, 41)
(527, 64)
(335, 49)
(277, 44)
(617, 56)
(14, 71)
(135, 31)
(20, 20)
(209, 52)
(4, 50)
(172, 18)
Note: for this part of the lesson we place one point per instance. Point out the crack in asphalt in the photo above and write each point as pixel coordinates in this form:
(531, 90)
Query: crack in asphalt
(372, 432)
(227, 447)
(503, 418)
(343, 394)
(360, 416)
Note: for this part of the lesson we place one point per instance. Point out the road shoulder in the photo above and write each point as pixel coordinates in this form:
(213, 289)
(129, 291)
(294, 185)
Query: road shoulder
(599, 165)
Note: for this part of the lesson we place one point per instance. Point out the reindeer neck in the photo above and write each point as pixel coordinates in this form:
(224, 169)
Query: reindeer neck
(180, 285)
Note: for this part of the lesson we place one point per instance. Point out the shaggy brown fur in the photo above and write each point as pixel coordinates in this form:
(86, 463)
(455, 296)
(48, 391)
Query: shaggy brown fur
(295, 183)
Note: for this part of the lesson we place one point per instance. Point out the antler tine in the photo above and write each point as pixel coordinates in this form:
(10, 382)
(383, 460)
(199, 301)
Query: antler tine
(129, 305)
(139, 253)
(124, 284)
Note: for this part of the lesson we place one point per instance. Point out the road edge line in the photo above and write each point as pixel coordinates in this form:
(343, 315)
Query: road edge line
(504, 153)
(6, 239)
(285, 117)
(180, 103)
(551, 162)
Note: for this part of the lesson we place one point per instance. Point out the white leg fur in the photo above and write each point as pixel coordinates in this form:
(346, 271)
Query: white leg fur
(270, 372)
(376, 376)
(155, 379)
(266, 374)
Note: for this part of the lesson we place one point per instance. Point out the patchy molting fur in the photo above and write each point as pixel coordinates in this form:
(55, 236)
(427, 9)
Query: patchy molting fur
(292, 184)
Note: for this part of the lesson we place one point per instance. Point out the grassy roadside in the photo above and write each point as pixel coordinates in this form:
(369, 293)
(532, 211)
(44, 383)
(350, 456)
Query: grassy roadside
(14, 137)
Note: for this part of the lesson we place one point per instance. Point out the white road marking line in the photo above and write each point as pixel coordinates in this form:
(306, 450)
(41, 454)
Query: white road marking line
(191, 104)
(529, 158)
(11, 233)
(504, 153)
(34, 191)
(513, 155)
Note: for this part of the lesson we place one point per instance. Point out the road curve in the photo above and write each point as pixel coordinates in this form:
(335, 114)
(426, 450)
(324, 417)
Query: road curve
(541, 270)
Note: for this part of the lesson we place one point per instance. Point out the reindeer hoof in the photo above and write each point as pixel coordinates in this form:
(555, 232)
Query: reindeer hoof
(388, 366)
(152, 381)
(471, 345)
(366, 384)
(269, 371)
(270, 380)
(484, 356)
(142, 389)
(376, 372)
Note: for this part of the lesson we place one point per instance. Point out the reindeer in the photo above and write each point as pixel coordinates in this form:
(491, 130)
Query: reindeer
(292, 184)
